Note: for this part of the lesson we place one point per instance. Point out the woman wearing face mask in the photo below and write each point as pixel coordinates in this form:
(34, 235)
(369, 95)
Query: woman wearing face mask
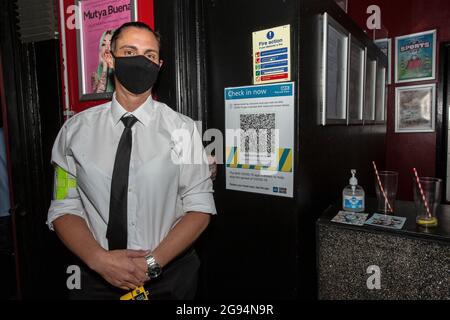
(128, 201)
(102, 79)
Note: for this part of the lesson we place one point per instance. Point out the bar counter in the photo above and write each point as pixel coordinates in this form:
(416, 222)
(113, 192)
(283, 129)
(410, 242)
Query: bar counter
(413, 262)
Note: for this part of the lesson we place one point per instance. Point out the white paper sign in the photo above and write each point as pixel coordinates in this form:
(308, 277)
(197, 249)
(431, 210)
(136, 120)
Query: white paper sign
(259, 122)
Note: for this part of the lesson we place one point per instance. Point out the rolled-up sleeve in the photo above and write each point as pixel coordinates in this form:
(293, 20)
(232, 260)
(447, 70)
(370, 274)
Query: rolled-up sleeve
(196, 187)
(66, 197)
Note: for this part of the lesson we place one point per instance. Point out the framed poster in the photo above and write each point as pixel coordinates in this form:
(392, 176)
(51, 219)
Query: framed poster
(370, 89)
(356, 82)
(415, 57)
(385, 46)
(380, 94)
(415, 108)
(98, 20)
(334, 71)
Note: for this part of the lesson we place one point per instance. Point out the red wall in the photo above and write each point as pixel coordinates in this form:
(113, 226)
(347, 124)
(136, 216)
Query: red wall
(400, 17)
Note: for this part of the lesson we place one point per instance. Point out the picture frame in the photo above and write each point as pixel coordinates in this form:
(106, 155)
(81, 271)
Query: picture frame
(415, 108)
(385, 46)
(335, 50)
(380, 93)
(369, 112)
(415, 57)
(356, 81)
(97, 21)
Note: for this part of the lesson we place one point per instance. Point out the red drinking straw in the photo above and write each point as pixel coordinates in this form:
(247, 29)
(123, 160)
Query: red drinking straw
(422, 193)
(381, 187)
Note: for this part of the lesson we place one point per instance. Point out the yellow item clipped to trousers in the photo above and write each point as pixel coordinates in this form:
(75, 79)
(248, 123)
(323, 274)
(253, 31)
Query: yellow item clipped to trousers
(137, 294)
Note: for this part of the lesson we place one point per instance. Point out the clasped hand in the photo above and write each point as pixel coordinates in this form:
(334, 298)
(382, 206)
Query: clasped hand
(125, 269)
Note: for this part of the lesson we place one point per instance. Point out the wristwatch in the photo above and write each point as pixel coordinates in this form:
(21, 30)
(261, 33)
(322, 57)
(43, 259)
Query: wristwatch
(154, 269)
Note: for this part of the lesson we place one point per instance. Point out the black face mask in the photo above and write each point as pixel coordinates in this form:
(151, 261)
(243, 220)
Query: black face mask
(137, 74)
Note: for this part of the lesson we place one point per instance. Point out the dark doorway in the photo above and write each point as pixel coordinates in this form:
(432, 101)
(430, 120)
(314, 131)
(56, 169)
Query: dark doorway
(442, 122)
(33, 116)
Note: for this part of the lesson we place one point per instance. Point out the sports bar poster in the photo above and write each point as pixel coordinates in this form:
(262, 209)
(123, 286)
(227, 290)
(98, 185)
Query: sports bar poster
(98, 20)
(259, 122)
(415, 57)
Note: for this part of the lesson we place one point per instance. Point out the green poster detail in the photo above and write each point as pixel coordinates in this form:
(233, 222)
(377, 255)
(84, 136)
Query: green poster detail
(416, 57)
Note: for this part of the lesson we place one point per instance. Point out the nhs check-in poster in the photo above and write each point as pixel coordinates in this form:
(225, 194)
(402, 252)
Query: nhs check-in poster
(259, 122)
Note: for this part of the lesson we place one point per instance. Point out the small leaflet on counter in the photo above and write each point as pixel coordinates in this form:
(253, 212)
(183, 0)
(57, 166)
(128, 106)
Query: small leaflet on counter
(386, 221)
(354, 218)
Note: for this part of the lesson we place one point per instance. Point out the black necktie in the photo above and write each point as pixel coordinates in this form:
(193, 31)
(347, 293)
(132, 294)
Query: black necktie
(118, 220)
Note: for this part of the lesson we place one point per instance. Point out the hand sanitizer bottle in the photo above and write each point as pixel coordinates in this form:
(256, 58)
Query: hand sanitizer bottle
(353, 195)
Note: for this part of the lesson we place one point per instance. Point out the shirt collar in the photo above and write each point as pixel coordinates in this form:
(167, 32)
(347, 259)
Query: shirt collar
(143, 113)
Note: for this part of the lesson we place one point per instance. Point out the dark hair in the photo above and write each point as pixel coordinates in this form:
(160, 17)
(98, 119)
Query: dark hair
(135, 24)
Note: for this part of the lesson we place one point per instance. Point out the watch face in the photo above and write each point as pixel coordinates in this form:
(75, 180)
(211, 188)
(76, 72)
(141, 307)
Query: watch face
(154, 271)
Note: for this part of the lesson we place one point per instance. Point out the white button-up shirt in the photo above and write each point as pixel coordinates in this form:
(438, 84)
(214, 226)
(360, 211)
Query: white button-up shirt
(162, 187)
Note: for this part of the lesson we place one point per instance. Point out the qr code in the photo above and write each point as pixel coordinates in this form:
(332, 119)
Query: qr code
(257, 136)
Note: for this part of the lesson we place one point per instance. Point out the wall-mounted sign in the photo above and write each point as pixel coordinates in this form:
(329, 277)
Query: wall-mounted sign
(259, 122)
(385, 46)
(271, 55)
(415, 108)
(415, 57)
(98, 21)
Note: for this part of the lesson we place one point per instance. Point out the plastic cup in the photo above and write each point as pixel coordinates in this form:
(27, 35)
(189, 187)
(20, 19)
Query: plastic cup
(389, 183)
(432, 191)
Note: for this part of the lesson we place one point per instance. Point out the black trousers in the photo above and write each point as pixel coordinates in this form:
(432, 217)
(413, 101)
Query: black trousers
(177, 282)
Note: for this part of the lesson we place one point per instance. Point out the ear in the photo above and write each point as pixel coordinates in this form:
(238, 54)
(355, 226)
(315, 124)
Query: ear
(109, 59)
(161, 62)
